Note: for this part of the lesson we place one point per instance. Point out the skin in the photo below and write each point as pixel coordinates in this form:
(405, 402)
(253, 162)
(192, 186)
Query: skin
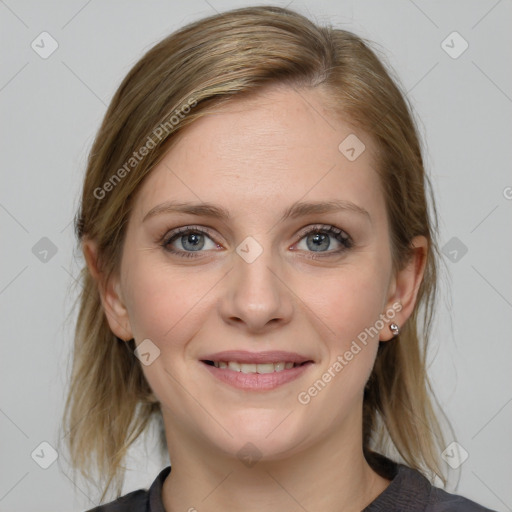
(255, 157)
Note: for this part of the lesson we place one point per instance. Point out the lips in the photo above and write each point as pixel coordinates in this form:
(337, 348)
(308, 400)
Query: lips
(245, 357)
(256, 371)
(253, 367)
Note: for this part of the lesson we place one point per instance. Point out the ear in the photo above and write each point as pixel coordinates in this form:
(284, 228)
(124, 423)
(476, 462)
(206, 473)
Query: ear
(110, 292)
(404, 286)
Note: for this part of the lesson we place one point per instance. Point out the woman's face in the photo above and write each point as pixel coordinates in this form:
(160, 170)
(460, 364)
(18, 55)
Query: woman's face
(268, 277)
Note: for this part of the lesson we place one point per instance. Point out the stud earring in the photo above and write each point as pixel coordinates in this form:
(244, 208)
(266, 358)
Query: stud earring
(394, 329)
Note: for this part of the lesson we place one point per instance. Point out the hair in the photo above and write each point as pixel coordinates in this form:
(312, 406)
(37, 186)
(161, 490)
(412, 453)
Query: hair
(180, 79)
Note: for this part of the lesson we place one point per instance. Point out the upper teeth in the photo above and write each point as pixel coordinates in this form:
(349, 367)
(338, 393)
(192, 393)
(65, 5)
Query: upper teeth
(254, 368)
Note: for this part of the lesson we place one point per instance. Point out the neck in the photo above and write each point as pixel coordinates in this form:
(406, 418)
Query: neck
(323, 477)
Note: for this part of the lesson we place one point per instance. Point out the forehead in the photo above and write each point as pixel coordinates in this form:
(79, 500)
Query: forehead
(267, 151)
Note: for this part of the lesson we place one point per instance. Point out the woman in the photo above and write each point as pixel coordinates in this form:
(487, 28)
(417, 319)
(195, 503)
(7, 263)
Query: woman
(258, 245)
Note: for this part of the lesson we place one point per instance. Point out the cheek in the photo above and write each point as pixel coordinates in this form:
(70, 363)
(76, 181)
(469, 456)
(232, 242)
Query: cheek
(347, 301)
(165, 303)
(168, 307)
(346, 312)
(349, 308)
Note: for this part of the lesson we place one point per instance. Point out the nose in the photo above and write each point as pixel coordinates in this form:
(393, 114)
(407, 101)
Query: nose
(256, 295)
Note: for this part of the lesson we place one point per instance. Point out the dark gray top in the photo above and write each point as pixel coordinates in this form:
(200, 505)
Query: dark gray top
(409, 491)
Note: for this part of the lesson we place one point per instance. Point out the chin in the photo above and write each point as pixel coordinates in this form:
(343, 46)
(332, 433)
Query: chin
(260, 436)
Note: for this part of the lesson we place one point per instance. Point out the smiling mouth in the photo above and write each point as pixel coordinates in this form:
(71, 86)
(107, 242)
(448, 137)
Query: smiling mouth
(253, 367)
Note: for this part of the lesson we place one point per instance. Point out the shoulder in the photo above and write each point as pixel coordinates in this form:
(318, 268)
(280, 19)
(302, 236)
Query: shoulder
(410, 491)
(434, 499)
(442, 501)
(141, 500)
(136, 501)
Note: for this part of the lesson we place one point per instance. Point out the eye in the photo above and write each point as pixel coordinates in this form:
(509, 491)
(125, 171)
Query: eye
(319, 239)
(191, 240)
(187, 241)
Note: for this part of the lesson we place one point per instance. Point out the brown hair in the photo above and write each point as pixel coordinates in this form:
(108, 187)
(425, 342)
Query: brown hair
(177, 81)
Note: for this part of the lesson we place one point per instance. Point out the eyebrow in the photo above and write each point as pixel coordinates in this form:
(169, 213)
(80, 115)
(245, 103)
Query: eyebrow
(299, 209)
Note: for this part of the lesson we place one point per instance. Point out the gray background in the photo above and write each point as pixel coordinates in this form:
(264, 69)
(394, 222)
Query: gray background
(50, 111)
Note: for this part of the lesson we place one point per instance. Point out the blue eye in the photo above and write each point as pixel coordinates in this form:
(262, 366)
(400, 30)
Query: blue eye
(318, 239)
(194, 239)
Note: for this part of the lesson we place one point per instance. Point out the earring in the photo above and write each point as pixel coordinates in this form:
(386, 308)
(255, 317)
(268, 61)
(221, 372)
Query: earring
(394, 329)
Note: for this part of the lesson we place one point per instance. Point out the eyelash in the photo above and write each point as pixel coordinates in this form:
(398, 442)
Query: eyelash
(338, 234)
